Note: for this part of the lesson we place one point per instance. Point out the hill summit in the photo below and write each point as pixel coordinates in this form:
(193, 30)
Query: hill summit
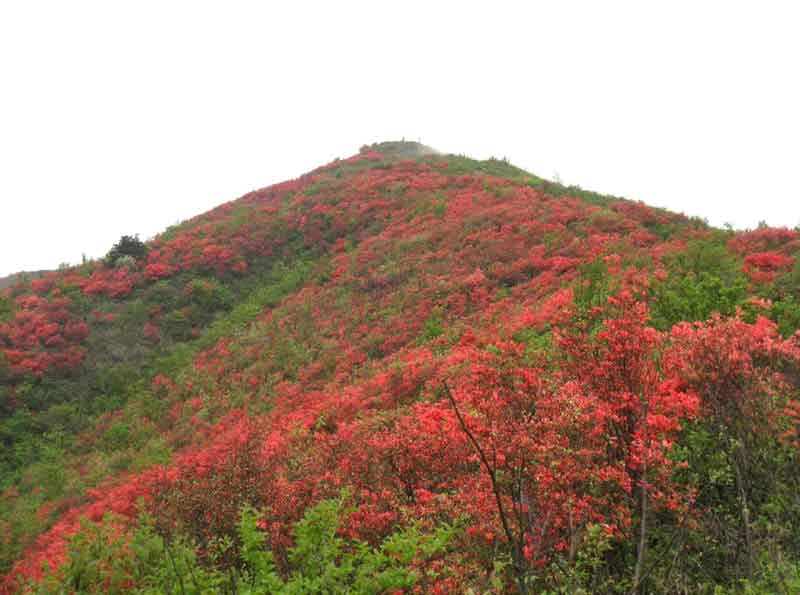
(408, 372)
(403, 149)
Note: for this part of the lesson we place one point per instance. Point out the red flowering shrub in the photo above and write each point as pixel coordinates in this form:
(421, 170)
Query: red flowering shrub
(762, 266)
(762, 239)
(157, 271)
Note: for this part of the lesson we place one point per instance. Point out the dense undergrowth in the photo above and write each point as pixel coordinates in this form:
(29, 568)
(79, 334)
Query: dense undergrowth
(408, 372)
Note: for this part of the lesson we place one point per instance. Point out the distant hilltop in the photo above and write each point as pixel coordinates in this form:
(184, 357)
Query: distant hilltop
(403, 148)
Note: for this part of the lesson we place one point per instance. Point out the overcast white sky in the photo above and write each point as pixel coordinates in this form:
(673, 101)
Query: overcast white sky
(126, 117)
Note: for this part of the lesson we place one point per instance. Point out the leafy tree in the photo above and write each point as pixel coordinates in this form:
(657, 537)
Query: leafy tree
(127, 246)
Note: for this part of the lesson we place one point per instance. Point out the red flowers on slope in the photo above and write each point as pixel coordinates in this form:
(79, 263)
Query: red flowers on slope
(436, 365)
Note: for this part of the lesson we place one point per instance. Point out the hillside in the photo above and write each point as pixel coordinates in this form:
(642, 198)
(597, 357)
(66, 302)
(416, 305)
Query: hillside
(408, 372)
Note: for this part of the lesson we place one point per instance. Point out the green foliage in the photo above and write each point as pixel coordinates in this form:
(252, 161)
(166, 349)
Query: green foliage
(786, 313)
(436, 205)
(127, 246)
(794, 277)
(774, 576)
(177, 325)
(585, 575)
(714, 551)
(4, 373)
(17, 433)
(593, 288)
(103, 558)
(693, 297)
(268, 291)
(706, 256)
(324, 562)
(538, 344)
(49, 472)
(209, 295)
(704, 278)
(313, 189)
(117, 436)
(433, 326)
(155, 451)
(5, 309)
(164, 293)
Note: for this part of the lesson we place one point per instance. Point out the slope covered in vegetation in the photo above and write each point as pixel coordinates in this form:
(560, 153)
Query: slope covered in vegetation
(408, 372)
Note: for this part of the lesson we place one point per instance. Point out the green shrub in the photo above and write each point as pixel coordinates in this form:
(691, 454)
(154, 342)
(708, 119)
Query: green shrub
(706, 256)
(787, 314)
(433, 326)
(594, 286)
(210, 296)
(693, 296)
(117, 437)
(178, 326)
(103, 559)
